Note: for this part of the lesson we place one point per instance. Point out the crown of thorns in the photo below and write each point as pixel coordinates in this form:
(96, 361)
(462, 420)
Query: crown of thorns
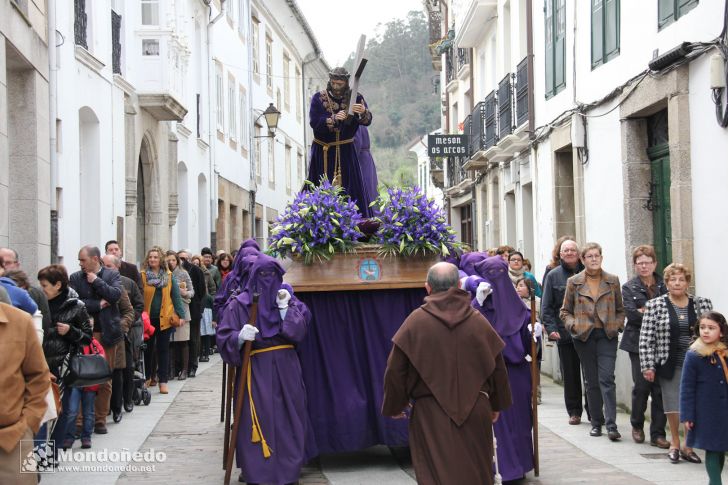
(339, 73)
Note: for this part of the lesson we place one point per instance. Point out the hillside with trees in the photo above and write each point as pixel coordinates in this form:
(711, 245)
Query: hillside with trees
(398, 86)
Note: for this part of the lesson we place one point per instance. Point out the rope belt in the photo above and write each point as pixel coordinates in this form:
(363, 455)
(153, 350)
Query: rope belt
(257, 432)
(337, 158)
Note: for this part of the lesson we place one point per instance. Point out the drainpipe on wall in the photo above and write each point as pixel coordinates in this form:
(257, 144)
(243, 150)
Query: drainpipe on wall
(529, 54)
(212, 171)
(52, 115)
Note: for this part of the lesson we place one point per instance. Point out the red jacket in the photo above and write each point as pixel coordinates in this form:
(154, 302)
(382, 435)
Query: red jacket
(148, 327)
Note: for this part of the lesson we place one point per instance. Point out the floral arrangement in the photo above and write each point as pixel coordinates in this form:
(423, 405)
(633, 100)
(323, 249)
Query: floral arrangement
(410, 224)
(320, 221)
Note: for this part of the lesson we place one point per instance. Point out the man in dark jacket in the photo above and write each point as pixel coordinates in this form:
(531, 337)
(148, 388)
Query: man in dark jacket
(137, 302)
(635, 294)
(125, 269)
(12, 261)
(100, 289)
(200, 287)
(553, 298)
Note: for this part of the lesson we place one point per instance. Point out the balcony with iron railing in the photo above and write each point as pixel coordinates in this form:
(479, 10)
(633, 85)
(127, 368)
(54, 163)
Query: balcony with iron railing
(449, 66)
(434, 23)
(458, 178)
(505, 106)
(498, 124)
(463, 62)
(116, 42)
(80, 23)
(437, 174)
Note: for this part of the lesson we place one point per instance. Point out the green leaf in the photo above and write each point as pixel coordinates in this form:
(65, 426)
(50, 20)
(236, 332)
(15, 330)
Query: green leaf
(401, 245)
(445, 251)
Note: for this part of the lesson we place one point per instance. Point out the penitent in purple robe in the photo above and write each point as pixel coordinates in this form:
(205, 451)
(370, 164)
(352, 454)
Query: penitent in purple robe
(326, 130)
(366, 161)
(510, 318)
(278, 393)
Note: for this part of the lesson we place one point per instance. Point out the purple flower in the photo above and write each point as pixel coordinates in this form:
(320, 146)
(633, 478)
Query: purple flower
(320, 221)
(410, 224)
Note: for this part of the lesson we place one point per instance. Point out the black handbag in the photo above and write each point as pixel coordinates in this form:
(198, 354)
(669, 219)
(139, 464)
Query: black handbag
(87, 369)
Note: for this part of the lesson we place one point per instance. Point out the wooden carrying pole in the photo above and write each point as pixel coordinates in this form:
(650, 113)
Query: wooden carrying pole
(228, 393)
(222, 402)
(534, 378)
(242, 375)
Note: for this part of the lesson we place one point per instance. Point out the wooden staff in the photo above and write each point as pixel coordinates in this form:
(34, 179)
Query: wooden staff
(242, 376)
(223, 402)
(534, 377)
(229, 380)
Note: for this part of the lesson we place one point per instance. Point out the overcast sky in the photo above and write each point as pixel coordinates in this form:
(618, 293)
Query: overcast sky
(337, 24)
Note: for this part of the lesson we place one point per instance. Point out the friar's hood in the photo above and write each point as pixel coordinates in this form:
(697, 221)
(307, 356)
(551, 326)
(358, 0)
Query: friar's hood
(453, 348)
(450, 307)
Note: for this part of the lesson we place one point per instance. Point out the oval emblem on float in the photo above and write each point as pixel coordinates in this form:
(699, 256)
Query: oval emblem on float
(369, 270)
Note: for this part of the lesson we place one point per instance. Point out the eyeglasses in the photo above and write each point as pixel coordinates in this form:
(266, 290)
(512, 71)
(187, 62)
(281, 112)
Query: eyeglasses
(593, 256)
(644, 263)
(515, 260)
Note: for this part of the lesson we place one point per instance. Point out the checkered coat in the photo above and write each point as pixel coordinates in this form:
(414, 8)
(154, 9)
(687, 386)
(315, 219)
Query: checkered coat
(655, 333)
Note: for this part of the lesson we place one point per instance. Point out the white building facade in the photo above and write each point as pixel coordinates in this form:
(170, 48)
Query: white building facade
(614, 151)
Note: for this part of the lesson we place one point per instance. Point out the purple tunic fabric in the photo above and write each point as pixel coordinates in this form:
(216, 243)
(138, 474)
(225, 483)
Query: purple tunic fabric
(353, 180)
(510, 318)
(366, 161)
(278, 393)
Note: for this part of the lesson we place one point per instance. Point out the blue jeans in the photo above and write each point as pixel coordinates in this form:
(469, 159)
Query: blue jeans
(77, 398)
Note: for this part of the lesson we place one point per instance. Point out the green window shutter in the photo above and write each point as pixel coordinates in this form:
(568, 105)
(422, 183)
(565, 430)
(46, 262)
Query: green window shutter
(684, 6)
(665, 12)
(560, 45)
(549, 34)
(611, 29)
(597, 22)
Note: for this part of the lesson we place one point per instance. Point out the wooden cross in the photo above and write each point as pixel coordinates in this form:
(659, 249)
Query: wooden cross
(359, 63)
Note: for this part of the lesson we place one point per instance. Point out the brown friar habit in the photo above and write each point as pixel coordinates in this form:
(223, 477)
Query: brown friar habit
(447, 359)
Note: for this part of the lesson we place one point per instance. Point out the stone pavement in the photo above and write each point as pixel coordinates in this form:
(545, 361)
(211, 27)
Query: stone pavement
(186, 426)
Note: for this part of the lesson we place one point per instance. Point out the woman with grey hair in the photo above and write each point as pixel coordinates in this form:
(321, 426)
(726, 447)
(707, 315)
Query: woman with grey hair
(593, 314)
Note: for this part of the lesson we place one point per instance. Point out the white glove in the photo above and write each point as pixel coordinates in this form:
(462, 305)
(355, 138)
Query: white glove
(283, 298)
(537, 334)
(484, 289)
(248, 332)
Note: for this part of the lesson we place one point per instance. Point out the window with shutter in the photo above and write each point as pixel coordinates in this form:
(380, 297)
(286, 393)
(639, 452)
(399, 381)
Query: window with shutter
(668, 11)
(555, 29)
(605, 31)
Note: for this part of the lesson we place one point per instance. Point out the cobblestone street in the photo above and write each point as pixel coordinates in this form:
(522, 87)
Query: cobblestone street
(194, 449)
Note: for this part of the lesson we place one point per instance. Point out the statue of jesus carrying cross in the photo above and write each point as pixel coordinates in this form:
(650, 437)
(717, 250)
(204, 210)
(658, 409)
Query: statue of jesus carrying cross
(335, 116)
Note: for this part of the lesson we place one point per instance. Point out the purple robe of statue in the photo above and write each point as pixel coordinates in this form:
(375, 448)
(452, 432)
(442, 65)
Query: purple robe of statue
(327, 130)
(366, 161)
(278, 391)
(510, 318)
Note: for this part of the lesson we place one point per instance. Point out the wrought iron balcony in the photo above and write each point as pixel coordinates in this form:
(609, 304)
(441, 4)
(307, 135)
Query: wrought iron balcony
(477, 128)
(449, 65)
(455, 171)
(505, 106)
(491, 120)
(80, 23)
(463, 58)
(116, 42)
(522, 88)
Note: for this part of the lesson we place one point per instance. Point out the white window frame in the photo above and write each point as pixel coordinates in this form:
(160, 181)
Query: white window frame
(256, 46)
(286, 82)
(269, 63)
(154, 5)
(232, 109)
(220, 96)
(289, 182)
(243, 102)
(298, 94)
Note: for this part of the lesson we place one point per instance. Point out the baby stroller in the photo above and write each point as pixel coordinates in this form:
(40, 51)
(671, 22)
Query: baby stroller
(138, 337)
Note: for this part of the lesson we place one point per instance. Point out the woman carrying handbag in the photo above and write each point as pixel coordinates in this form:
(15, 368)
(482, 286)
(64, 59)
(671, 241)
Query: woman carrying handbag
(70, 330)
